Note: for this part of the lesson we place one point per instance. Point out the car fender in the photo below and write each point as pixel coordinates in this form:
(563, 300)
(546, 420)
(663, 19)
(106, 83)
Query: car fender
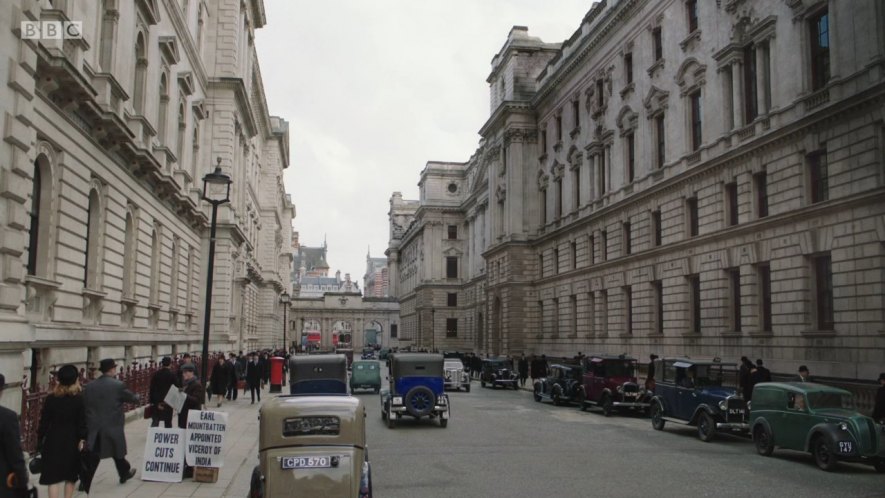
(605, 392)
(828, 430)
(660, 401)
(698, 410)
(557, 388)
(763, 422)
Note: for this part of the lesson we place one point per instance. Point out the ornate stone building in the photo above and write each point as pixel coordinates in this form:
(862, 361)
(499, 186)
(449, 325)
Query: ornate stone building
(678, 177)
(376, 280)
(105, 141)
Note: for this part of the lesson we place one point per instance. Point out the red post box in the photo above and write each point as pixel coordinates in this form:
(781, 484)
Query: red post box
(276, 374)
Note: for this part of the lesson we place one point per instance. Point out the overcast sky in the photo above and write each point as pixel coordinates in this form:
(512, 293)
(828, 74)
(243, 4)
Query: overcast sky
(372, 90)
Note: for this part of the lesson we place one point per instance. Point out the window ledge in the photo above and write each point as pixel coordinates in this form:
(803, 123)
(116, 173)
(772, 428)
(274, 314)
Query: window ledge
(154, 306)
(625, 335)
(761, 334)
(689, 41)
(42, 283)
(818, 334)
(628, 89)
(92, 293)
(657, 66)
(557, 146)
(131, 301)
(575, 132)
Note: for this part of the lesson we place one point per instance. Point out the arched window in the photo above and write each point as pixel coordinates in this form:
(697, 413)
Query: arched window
(141, 66)
(161, 113)
(41, 207)
(92, 271)
(130, 250)
(156, 245)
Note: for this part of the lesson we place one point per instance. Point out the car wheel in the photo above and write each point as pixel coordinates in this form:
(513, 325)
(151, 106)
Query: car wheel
(468, 388)
(383, 414)
(557, 399)
(419, 401)
(516, 385)
(880, 466)
(391, 423)
(537, 393)
(657, 416)
(482, 383)
(764, 441)
(255, 485)
(823, 454)
(706, 427)
(607, 405)
(579, 399)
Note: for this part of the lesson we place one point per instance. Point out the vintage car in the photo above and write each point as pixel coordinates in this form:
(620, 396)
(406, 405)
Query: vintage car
(562, 384)
(610, 383)
(318, 374)
(498, 372)
(417, 389)
(313, 444)
(455, 375)
(365, 374)
(368, 354)
(700, 393)
(819, 419)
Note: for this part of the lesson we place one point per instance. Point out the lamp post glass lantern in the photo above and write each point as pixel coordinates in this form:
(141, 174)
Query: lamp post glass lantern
(216, 190)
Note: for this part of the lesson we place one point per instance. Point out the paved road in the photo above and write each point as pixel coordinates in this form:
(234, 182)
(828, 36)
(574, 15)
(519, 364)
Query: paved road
(502, 443)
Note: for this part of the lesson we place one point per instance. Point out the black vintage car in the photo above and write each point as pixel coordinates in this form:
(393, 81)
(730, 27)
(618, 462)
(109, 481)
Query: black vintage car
(562, 384)
(700, 393)
(498, 372)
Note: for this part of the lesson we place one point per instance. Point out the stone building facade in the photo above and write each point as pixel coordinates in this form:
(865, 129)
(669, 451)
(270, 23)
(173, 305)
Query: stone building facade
(376, 280)
(105, 141)
(343, 319)
(678, 177)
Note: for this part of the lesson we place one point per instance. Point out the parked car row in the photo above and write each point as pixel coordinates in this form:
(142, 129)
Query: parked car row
(800, 416)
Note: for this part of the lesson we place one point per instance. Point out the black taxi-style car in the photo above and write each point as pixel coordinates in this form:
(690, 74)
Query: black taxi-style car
(498, 372)
(700, 393)
(562, 384)
(610, 383)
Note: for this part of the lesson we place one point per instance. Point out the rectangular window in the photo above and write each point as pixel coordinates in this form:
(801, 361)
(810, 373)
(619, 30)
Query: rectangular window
(657, 43)
(452, 299)
(818, 175)
(603, 239)
(694, 291)
(658, 289)
(628, 67)
(555, 261)
(691, 208)
(592, 248)
(558, 198)
(543, 207)
(603, 184)
(600, 85)
(540, 265)
(625, 228)
(394, 331)
(451, 327)
(823, 287)
(760, 185)
(574, 255)
(576, 187)
(628, 310)
(731, 204)
(660, 146)
(696, 123)
(559, 128)
(576, 114)
(764, 281)
(603, 312)
(656, 227)
(750, 108)
(556, 315)
(631, 158)
(543, 141)
(453, 232)
(820, 49)
(574, 315)
(451, 267)
(691, 7)
(734, 283)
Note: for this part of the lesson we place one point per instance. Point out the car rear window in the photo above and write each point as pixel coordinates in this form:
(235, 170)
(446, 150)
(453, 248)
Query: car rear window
(311, 426)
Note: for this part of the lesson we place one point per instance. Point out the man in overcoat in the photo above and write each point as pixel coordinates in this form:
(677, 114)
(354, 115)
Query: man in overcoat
(105, 420)
(163, 379)
(253, 377)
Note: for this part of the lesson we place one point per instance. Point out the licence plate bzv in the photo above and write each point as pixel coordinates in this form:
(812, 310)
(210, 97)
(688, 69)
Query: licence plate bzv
(305, 462)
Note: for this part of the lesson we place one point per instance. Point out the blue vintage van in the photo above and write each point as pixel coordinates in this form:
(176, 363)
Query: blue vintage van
(416, 389)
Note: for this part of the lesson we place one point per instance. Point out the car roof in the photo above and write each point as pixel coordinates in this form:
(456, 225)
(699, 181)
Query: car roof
(565, 365)
(602, 357)
(803, 387)
(696, 361)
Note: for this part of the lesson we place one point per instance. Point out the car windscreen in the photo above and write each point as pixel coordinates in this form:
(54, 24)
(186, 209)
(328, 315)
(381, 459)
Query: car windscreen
(830, 400)
(453, 364)
(620, 368)
(498, 364)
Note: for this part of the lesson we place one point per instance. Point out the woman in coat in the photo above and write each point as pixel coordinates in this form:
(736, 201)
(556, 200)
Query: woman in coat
(219, 379)
(62, 433)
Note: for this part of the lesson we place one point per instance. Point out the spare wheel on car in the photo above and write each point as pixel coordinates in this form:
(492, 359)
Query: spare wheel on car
(419, 401)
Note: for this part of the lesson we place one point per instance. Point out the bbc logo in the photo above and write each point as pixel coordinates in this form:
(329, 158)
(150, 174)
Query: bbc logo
(52, 30)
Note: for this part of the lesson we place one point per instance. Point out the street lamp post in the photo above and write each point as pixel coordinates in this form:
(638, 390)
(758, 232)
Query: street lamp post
(285, 300)
(216, 191)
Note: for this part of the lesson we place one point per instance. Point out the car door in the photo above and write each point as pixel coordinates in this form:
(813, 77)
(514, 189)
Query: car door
(796, 422)
(686, 398)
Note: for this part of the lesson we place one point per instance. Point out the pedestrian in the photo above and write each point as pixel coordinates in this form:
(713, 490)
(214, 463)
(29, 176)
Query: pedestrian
(105, 420)
(879, 406)
(542, 366)
(650, 373)
(232, 377)
(194, 395)
(13, 472)
(219, 379)
(762, 373)
(264, 368)
(804, 375)
(253, 377)
(162, 380)
(523, 370)
(241, 370)
(184, 361)
(744, 382)
(61, 433)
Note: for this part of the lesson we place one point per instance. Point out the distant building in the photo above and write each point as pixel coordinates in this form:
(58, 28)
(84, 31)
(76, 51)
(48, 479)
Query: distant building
(310, 277)
(375, 281)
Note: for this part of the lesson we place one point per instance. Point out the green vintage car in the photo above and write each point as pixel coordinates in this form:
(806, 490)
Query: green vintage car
(819, 419)
(365, 374)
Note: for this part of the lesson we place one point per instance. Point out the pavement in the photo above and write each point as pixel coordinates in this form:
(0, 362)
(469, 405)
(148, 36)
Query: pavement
(240, 457)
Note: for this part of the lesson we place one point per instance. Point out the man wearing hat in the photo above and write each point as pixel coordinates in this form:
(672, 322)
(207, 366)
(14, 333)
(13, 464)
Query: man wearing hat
(804, 375)
(162, 380)
(12, 461)
(879, 407)
(105, 419)
(193, 390)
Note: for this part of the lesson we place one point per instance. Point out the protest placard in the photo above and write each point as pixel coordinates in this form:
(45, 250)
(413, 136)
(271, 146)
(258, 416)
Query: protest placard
(205, 438)
(175, 398)
(163, 455)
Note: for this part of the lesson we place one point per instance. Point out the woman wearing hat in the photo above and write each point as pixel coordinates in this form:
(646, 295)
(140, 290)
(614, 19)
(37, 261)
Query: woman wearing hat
(62, 433)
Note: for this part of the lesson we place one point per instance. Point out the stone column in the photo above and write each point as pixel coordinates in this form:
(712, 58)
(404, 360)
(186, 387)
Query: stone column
(737, 94)
(762, 79)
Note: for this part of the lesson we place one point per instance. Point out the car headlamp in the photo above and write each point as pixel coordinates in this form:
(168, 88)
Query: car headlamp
(843, 426)
(723, 405)
(620, 389)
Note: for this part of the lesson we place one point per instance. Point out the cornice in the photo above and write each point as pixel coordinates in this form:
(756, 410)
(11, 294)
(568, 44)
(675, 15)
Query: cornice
(504, 110)
(241, 96)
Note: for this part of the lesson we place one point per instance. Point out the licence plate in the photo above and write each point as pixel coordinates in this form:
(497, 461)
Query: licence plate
(846, 446)
(288, 463)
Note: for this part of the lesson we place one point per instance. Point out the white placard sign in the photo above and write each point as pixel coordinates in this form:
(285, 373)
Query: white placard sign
(204, 438)
(163, 455)
(175, 398)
